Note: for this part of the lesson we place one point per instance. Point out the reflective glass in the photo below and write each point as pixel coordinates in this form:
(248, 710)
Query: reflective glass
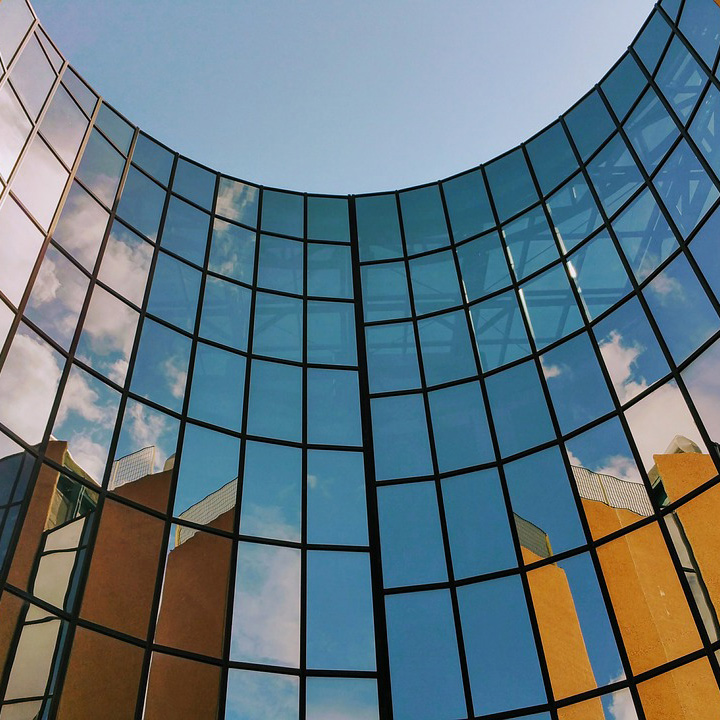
(142, 203)
(174, 292)
(468, 205)
(423, 219)
(185, 231)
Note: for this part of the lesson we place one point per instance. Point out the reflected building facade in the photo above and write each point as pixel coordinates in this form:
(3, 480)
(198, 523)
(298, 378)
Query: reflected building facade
(441, 453)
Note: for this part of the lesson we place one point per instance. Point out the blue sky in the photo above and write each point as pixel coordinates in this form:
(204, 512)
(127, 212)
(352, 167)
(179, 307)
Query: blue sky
(334, 96)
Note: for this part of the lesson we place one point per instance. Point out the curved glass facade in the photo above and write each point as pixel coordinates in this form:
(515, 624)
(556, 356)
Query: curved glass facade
(436, 454)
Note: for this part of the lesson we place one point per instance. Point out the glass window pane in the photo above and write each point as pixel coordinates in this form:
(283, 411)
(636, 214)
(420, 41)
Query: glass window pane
(107, 335)
(423, 219)
(460, 428)
(81, 227)
(502, 659)
(333, 407)
(434, 282)
(282, 212)
(543, 506)
(276, 399)
(552, 157)
(574, 212)
(266, 613)
(226, 313)
(64, 126)
(218, 385)
(518, 408)
(329, 271)
(142, 203)
(340, 633)
(278, 326)
(328, 219)
(206, 491)
(499, 330)
(530, 243)
(577, 387)
(468, 205)
(478, 530)
(153, 158)
(161, 364)
(331, 333)
(280, 266)
(378, 227)
(412, 545)
(385, 291)
(675, 296)
(194, 182)
(174, 292)
(424, 663)
(238, 201)
(446, 349)
(57, 297)
(126, 263)
(589, 123)
(185, 231)
(336, 510)
(100, 168)
(510, 184)
(483, 266)
(392, 357)
(272, 492)
(232, 252)
(552, 310)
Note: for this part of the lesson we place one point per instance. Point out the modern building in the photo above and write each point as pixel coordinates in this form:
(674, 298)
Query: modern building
(441, 453)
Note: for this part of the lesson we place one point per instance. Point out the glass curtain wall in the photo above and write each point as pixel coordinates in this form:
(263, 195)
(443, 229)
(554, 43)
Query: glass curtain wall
(443, 453)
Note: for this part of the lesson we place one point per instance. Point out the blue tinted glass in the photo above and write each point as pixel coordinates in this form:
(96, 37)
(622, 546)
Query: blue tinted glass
(483, 266)
(468, 205)
(225, 313)
(510, 184)
(340, 632)
(385, 291)
(272, 492)
(574, 212)
(378, 227)
(477, 520)
(423, 219)
(577, 387)
(599, 274)
(142, 203)
(336, 510)
(392, 357)
(502, 659)
(552, 157)
(278, 326)
(590, 124)
(623, 85)
(232, 252)
(328, 219)
(331, 333)
(674, 297)
(238, 201)
(700, 26)
(186, 231)
(652, 40)
(446, 349)
(630, 350)
(333, 407)
(412, 545)
(551, 306)
(685, 188)
(424, 663)
(651, 130)
(499, 330)
(217, 387)
(275, 404)
(460, 428)
(680, 79)
(282, 213)
(614, 174)
(194, 182)
(174, 292)
(154, 159)
(400, 438)
(434, 282)
(518, 408)
(530, 243)
(644, 234)
(543, 503)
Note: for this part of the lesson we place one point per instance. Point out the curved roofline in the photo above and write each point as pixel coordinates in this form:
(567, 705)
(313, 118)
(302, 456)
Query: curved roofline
(430, 183)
